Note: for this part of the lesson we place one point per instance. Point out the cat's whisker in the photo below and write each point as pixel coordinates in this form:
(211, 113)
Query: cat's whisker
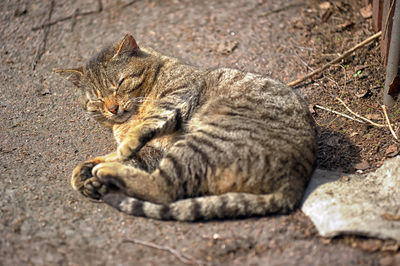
(143, 99)
(129, 104)
(95, 115)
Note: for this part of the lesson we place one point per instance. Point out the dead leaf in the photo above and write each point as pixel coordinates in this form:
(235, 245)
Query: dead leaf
(359, 67)
(326, 241)
(394, 87)
(390, 217)
(45, 91)
(20, 12)
(362, 93)
(342, 6)
(392, 151)
(391, 248)
(344, 26)
(371, 245)
(373, 116)
(330, 193)
(226, 47)
(345, 178)
(366, 12)
(325, 5)
(362, 165)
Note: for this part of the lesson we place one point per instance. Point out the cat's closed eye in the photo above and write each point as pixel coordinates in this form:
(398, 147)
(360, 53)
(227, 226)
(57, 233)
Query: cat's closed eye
(121, 81)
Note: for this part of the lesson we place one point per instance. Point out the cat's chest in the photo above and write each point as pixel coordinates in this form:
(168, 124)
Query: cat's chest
(120, 132)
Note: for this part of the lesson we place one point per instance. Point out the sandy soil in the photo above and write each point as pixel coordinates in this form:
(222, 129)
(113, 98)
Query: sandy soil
(44, 133)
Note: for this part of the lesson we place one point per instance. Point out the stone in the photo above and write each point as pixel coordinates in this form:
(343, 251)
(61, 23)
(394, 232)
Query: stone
(357, 204)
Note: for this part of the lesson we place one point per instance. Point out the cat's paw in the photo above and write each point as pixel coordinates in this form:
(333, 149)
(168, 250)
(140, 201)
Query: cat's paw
(103, 178)
(93, 188)
(110, 173)
(127, 149)
(80, 174)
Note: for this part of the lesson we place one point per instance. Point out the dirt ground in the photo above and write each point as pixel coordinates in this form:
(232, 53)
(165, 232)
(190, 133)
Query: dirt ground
(45, 134)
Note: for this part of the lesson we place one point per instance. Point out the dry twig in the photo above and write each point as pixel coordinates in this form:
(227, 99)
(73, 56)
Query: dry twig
(319, 70)
(42, 44)
(338, 113)
(304, 62)
(48, 24)
(359, 116)
(388, 122)
(179, 255)
(73, 22)
(128, 4)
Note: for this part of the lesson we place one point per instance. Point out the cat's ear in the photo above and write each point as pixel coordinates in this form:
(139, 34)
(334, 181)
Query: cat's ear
(127, 45)
(72, 74)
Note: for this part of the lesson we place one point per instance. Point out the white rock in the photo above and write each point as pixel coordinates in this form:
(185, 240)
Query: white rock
(367, 204)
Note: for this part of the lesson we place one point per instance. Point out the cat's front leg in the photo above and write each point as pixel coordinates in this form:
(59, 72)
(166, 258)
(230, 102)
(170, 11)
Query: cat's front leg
(130, 146)
(153, 126)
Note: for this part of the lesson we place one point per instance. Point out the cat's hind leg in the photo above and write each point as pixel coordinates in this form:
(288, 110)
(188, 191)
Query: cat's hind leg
(131, 181)
(85, 182)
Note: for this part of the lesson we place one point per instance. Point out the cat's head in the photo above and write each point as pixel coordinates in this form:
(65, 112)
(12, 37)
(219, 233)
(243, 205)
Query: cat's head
(114, 83)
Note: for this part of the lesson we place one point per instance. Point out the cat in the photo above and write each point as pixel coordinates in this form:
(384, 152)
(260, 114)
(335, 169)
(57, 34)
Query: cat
(193, 144)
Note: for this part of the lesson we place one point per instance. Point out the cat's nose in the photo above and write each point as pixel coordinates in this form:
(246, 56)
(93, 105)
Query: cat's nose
(113, 109)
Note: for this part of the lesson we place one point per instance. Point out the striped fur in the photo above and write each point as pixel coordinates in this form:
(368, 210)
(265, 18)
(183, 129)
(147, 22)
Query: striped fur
(228, 205)
(192, 143)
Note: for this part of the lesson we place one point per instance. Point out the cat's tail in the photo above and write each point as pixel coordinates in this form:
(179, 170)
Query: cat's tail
(229, 205)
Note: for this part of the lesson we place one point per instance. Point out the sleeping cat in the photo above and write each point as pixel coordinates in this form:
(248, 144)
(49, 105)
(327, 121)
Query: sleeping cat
(192, 143)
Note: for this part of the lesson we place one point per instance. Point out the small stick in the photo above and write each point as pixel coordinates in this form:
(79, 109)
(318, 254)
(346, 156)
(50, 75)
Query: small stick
(338, 113)
(48, 24)
(42, 44)
(186, 259)
(73, 22)
(319, 70)
(388, 122)
(359, 116)
(303, 62)
(128, 4)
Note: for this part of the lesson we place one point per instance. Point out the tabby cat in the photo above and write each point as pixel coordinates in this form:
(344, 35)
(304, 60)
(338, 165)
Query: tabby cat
(192, 143)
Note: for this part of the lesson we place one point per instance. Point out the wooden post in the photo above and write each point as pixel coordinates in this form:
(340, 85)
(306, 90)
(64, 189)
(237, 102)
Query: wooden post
(393, 58)
(377, 8)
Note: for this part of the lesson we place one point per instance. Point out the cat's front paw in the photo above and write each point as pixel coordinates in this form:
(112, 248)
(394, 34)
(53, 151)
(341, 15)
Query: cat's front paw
(93, 188)
(127, 149)
(111, 173)
(80, 174)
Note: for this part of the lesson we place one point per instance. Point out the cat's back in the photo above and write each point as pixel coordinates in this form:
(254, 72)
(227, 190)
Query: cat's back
(229, 81)
(260, 96)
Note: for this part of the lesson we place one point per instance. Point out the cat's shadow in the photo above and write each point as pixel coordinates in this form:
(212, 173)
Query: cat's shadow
(336, 152)
(337, 156)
